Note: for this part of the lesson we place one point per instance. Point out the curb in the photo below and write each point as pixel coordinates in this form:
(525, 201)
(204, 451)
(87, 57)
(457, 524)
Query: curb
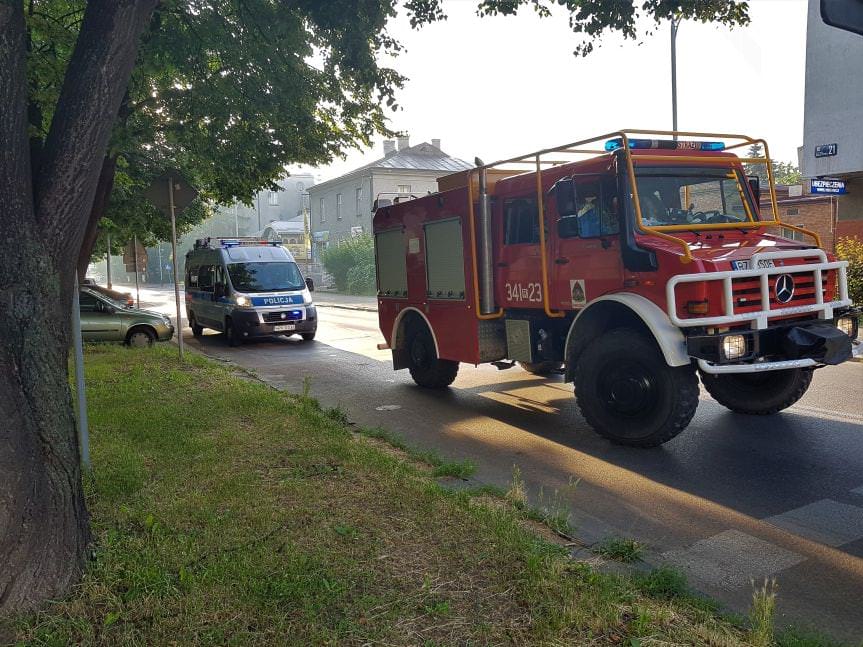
(346, 307)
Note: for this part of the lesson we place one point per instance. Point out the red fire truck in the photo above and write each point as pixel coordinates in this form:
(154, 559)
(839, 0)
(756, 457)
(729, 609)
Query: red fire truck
(630, 262)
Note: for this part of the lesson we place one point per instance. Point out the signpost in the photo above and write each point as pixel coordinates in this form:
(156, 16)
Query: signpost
(83, 426)
(171, 193)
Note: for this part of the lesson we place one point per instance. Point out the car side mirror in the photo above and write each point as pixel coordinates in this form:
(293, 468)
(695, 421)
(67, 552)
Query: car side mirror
(564, 196)
(310, 284)
(755, 186)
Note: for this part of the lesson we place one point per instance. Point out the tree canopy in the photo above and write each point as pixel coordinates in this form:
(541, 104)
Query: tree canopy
(230, 92)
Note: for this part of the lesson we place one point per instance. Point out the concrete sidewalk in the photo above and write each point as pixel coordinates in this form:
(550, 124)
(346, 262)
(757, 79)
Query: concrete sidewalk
(328, 299)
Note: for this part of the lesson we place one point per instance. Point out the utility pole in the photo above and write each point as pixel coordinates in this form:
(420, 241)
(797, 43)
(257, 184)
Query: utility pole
(675, 23)
(137, 285)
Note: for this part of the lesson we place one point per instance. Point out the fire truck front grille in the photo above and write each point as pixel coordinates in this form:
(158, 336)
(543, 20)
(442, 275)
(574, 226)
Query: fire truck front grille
(747, 292)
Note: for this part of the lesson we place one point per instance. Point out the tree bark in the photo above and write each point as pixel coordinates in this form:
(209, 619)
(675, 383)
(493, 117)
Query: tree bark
(44, 528)
(97, 212)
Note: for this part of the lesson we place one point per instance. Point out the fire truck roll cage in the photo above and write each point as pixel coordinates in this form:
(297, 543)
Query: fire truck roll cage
(482, 273)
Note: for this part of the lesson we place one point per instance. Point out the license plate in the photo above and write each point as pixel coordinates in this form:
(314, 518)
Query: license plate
(284, 327)
(747, 264)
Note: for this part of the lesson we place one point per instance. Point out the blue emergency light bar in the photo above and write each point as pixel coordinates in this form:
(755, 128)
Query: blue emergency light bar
(665, 144)
(239, 242)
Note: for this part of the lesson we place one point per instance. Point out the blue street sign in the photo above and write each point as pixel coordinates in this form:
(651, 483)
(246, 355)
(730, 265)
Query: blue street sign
(826, 150)
(834, 187)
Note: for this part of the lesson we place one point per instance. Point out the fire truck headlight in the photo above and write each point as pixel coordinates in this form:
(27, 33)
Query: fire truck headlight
(733, 346)
(848, 326)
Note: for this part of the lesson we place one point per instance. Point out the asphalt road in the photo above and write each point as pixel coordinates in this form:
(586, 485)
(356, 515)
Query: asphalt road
(731, 500)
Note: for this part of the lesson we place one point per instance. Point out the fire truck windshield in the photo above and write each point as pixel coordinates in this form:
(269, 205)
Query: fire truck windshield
(692, 196)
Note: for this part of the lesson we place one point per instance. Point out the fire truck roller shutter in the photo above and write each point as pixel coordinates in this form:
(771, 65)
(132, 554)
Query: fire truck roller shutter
(669, 338)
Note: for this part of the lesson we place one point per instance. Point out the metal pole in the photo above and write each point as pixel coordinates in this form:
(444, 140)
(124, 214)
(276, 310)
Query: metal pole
(258, 207)
(109, 261)
(675, 23)
(175, 266)
(161, 276)
(83, 424)
(137, 286)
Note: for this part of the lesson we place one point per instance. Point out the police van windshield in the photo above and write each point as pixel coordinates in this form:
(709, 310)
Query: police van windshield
(265, 277)
(692, 196)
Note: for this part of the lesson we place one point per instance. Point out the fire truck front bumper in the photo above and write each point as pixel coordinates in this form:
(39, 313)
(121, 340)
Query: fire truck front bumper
(810, 344)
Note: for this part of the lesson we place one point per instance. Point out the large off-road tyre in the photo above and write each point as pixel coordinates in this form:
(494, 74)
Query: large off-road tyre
(231, 335)
(758, 394)
(627, 392)
(426, 368)
(542, 368)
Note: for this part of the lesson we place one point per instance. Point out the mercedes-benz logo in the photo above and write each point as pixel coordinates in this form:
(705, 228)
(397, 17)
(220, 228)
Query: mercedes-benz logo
(784, 288)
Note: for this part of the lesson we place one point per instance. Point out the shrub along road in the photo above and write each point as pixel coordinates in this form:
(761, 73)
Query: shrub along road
(226, 512)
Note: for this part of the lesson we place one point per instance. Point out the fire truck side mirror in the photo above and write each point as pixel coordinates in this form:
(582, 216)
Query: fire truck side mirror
(380, 203)
(755, 185)
(564, 196)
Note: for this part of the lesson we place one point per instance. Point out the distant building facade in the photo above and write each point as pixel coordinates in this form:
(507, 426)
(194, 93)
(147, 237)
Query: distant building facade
(342, 207)
(833, 113)
(798, 206)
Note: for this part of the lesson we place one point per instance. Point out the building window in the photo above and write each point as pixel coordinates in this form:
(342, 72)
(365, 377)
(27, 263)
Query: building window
(273, 199)
(792, 211)
(793, 235)
(323, 211)
(338, 206)
(404, 188)
(359, 201)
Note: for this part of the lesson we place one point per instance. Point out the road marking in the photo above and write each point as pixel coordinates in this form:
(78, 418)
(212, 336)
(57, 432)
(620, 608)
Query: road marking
(826, 521)
(732, 559)
(858, 490)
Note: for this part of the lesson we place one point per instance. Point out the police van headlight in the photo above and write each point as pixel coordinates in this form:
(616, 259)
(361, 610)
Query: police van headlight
(242, 300)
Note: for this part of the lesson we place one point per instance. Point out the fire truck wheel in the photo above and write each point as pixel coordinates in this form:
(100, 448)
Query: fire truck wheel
(541, 368)
(758, 394)
(629, 395)
(426, 368)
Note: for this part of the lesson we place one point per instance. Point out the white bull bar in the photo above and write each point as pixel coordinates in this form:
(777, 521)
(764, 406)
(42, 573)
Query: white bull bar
(759, 319)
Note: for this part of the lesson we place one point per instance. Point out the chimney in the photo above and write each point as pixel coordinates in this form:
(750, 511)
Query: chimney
(404, 142)
(389, 146)
(436, 143)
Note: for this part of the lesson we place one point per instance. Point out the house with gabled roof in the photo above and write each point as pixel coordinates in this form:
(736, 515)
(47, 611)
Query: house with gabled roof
(342, 207)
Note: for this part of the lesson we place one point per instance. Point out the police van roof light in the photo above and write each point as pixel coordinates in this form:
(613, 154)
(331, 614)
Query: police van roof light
(665, 144)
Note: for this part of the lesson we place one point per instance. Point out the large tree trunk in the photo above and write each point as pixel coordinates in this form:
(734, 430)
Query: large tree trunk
(43, 520)
(97, 212)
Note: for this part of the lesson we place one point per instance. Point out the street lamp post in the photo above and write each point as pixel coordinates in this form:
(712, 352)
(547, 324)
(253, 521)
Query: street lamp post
(675, 23)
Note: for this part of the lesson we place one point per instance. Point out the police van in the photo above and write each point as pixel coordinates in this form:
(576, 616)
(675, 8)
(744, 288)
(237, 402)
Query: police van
(247, 288)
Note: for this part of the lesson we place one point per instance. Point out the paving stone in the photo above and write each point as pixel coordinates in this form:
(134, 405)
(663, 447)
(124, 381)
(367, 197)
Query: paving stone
(732, 559)
(826, 521)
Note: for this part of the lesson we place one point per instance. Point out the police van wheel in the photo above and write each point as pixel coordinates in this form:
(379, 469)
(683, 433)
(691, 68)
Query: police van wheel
(307, 336)
(197, 329)
(231, 335)
(629, 395)
(758, 394)
(542, 368)
(426, 368)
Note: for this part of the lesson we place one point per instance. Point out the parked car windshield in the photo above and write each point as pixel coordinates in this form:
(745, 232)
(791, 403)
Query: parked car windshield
(692, 196)
(265, 277)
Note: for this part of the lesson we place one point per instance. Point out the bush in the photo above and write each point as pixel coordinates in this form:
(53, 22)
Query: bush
(350, 253)
(361, 279)
(851, 250)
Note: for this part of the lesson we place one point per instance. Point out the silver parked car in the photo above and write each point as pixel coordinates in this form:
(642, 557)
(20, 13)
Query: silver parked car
(103, 319)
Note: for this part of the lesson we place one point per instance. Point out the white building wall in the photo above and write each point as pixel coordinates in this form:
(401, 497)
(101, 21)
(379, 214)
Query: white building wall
(834, 98)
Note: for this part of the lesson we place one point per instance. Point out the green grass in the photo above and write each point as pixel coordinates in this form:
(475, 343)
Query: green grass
(619, 549)
(226, 512)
